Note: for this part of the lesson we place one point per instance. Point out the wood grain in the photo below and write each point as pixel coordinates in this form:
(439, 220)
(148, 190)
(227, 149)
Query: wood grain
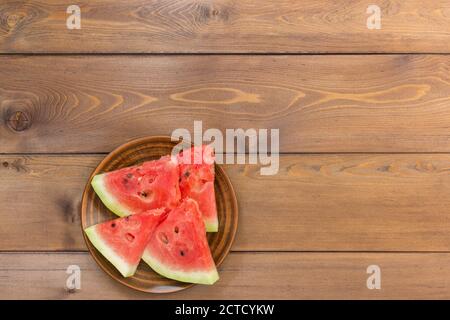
(345, 202)
(243, 276)
(295, 26)
(385, 103)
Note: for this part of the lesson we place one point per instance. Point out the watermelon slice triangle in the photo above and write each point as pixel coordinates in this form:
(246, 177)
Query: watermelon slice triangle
(178, 249)
(123, 240)
(197, 182)
(152, 185)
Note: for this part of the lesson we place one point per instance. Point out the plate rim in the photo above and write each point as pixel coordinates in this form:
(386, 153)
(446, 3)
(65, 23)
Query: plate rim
(87, 187)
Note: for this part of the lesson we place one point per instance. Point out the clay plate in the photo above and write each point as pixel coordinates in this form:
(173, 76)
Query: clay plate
(93, 211)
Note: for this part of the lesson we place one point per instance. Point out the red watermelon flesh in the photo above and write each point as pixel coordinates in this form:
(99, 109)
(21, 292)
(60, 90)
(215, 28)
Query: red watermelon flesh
(179, 250)
(197, 182)
(123, 240)
(154, 184)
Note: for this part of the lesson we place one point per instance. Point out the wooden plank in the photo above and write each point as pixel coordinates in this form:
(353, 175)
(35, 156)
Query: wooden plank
(262, 275)
(315, 203)
(295, 26)
(372, 103)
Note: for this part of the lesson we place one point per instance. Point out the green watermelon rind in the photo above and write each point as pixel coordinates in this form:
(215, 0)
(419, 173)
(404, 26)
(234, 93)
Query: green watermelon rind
(126, 269)
(201, 277)
(98, 183)
(212, 225)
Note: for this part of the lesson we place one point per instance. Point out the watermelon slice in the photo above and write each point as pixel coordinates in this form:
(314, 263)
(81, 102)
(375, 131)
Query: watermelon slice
(123, 240)
(154, 184)
(197, 182)
(179, 249)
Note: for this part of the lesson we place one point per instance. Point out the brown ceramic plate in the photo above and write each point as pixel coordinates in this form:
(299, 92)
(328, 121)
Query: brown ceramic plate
(93, 211)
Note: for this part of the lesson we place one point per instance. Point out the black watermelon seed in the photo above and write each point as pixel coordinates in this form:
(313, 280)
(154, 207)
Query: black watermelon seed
(130, 237)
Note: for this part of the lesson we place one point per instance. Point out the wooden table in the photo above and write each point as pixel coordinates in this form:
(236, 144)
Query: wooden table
(364, 119)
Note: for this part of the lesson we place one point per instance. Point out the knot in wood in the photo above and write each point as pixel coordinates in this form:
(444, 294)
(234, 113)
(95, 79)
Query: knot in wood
(19, 121)
(12, 20)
